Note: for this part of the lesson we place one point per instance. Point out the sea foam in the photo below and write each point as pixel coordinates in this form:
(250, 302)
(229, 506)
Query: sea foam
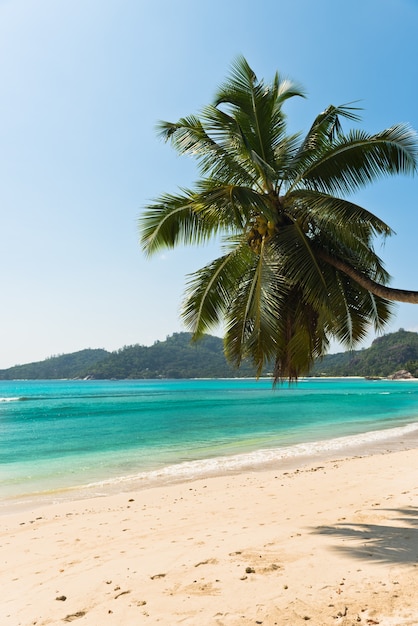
(189, 470)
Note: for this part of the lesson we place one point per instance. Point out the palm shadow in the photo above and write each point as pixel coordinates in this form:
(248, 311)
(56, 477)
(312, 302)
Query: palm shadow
(383, 543)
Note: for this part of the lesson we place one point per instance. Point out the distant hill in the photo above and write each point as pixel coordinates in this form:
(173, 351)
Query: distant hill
(178, 357)
(63, 366)
(386, 355)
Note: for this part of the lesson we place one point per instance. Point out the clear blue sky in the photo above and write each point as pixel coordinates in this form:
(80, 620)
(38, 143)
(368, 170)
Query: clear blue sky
(83, 83)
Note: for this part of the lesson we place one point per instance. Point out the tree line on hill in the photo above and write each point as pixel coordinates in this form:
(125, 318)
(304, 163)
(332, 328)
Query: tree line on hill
(387, 354)
(178, 357)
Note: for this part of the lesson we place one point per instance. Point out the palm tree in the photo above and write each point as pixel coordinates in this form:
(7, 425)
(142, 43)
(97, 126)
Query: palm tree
(298, 267)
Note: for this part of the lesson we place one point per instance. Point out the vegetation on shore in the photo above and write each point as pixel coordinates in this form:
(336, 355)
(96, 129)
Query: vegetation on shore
(387, 355)
(56, 367)
(179, 357)
(176, 357)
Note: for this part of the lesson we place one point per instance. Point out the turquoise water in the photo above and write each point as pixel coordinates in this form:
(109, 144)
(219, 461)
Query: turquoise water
(60, 435)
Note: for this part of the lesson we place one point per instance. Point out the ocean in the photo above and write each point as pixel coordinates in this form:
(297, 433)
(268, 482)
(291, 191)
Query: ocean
(66, 439)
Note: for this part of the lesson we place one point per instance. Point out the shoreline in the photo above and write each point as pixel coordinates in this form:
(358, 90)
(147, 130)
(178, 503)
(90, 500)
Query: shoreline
(290, 457)
(99, 444)
(280, 458)
(332, 542)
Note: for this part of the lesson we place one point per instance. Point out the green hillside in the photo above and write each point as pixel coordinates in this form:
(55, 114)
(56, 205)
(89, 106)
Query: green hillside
(178, 357)
(386, 355)
(63, 366)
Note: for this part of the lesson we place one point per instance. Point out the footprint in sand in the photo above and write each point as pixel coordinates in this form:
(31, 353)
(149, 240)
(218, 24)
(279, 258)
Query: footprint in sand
(74, 616)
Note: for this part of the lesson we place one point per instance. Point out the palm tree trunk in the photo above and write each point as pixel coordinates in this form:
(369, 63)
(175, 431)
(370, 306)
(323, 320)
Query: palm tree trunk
(388, 293)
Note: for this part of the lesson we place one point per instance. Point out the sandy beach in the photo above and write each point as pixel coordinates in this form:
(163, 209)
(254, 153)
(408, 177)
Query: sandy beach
(328, 543)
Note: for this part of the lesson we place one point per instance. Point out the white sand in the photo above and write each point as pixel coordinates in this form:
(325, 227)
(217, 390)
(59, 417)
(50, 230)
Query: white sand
(333, 543)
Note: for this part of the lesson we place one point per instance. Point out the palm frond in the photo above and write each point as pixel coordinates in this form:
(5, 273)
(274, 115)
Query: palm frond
(344, 229)
(243, 81)
(232, 206)
(235, 138)
(301, 339)
(285, 149)
(172, 220)
(210, 290)
(356, 311)
(257, 111)
(327, 126)
(298, 261)
(253, 312)
(357, 159)
(328, 212)
(189, 136)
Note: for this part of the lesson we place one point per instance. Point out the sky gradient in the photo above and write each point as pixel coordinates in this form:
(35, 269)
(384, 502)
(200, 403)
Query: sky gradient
(84, 83)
